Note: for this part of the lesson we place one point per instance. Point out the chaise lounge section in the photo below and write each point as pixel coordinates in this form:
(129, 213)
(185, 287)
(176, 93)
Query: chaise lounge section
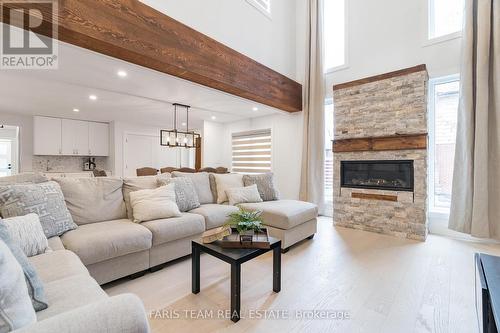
(289, 220)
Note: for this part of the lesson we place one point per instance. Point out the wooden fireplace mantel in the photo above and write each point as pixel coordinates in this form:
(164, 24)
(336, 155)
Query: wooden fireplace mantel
(395, 142)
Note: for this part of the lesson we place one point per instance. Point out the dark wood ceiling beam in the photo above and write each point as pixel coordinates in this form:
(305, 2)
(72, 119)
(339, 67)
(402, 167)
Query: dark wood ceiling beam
(134, 32)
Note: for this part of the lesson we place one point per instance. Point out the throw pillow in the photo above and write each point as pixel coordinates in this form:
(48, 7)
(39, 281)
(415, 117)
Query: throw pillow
(91, 200)
(139, 183)
(26, 231)
(225, 182)
(201, 181)
(185, 193)
(154, 204)
(33, 282)
(16, 310)
(265, 185)
(45, 199)
(239, 195)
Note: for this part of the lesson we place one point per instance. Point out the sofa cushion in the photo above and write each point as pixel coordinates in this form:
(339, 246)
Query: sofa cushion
(101, 241)
(44, 199)
(215, 215)
(55, 243)
(70, 293)
(284, 214)
(139, 183)
(56, 265)
(201, 182)
(167, 230)
(23, 178)
(91, 200)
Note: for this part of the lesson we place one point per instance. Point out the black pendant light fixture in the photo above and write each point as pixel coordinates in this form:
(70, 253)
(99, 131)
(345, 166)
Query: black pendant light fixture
(176, 138)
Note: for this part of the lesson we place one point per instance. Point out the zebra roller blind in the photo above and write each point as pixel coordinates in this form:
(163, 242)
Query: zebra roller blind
(252, 152)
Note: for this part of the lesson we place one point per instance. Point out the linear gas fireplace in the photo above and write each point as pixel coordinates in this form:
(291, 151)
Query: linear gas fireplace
(394, 175)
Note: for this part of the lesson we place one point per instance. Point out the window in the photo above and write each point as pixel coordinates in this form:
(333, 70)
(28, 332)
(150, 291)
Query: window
(334, 34)
(444, 98)
(262, 5)
(445, 17)
(328, 157)
(251, 152)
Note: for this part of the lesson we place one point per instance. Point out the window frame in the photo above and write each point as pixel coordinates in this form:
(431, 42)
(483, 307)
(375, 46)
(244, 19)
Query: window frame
(433, 210)
(258, 6)
(345, 65)
(430, 21)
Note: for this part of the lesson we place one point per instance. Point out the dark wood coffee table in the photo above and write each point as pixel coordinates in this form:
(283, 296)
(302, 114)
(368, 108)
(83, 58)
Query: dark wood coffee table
(234, 257)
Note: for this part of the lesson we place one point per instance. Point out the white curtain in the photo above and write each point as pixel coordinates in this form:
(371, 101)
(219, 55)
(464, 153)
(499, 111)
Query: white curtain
(475, 206)
(313, 149)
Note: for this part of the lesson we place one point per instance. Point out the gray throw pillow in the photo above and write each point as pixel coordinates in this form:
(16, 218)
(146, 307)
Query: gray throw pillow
(33, 282)
(185, 193)
(265, 185)
(45, 199)
(201, 182)
(16, 310)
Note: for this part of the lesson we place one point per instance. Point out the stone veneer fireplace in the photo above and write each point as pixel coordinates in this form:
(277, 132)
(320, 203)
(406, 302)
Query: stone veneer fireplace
(380, 154)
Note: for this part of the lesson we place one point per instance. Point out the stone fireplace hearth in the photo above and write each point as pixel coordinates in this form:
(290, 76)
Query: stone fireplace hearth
(380, 154)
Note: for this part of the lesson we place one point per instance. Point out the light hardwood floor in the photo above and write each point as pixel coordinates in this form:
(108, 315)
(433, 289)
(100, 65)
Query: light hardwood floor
(385, 284)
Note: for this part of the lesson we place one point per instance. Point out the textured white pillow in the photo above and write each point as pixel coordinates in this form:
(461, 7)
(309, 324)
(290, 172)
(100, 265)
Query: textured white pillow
(27, 232)
(154, 204)
(247, 194)
(225, 182)
(16, 310)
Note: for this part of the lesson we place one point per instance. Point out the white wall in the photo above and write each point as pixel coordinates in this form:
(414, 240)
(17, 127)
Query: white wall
(25, 124)
(242, 27)
(386, 35)
(286, 147)
(213, 142)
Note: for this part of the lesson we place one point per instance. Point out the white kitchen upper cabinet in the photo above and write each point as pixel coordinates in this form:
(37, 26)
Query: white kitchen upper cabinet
(98, 139)
(75, 137)
(47, 136)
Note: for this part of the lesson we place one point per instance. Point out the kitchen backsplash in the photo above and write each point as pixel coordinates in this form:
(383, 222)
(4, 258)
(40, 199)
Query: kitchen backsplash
(65, 163)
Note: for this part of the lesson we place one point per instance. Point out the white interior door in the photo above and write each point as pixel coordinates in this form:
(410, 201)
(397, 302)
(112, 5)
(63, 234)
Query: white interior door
(142, 150)
(137, 153)
(5, 158)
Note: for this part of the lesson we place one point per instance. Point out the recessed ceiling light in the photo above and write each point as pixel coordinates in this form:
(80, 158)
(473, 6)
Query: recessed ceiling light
(93, 97)
(255, 108)
(76, 110)
(213, 117)
(121, 73)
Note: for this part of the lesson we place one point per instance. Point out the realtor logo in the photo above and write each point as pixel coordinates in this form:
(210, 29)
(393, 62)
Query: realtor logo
(29, 34)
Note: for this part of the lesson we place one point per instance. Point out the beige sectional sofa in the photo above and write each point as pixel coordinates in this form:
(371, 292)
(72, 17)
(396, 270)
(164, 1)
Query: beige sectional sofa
(107, 246)
(77, 302)
(118, 247)
(111, 246)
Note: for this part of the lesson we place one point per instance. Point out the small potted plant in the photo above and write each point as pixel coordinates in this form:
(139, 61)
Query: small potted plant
(246, 223)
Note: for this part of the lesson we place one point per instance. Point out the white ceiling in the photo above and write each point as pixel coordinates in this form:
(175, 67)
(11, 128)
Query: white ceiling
(144, 96)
